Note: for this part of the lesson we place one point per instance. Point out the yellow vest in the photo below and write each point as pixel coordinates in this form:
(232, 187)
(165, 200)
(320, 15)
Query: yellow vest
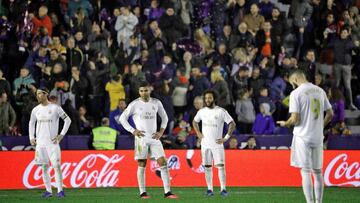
(104, 138)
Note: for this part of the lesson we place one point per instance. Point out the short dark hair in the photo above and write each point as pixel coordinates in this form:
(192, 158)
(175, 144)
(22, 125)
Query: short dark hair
(209, 91)
(144, 83)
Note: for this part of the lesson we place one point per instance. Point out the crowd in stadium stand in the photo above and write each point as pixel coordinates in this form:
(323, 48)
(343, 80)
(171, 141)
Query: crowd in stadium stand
(92, 55)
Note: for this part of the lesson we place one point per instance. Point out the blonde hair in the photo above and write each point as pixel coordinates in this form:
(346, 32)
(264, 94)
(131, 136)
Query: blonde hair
(204, 40)
(216, 76)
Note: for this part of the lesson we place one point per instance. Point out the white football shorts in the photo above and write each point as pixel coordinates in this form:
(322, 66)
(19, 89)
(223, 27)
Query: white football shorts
(147, 147)
(210, 154)
(305, 156)
(48, 154)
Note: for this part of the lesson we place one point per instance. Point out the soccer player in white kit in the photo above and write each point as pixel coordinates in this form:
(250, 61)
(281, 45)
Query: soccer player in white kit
(144, 111)
(211, 135)
(307, 105)
(46, 116)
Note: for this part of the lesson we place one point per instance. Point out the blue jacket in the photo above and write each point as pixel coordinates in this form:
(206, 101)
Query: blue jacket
(115, 124)
(263, 125)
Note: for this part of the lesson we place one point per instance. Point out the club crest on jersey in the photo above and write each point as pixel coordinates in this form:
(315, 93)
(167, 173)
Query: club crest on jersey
(216, 117)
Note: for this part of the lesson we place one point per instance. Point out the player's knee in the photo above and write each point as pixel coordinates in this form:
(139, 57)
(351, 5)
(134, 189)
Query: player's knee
(142, 162)
(219, 165)
(305, 170)
(161, 161)
(317, 171)
(45, 167)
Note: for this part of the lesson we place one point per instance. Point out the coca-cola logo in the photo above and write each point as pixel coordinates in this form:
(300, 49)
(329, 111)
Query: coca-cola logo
(341, 172)
(94, 170)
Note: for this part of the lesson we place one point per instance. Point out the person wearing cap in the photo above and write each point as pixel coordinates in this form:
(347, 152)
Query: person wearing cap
(46, 139)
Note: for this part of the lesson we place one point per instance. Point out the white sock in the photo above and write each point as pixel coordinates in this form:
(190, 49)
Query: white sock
(222, 177)
(209, 177)
(46, 178)
(58, 178)
(307, 185)
(141, 179)
(165, 178)
(318, 185)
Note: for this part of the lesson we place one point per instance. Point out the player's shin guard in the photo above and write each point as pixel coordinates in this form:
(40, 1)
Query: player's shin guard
(307, 185)
(209, 177)
(58, 178)
(46, 177)
(318, 185)
(141, 179)
(222, 177)
(165, 178)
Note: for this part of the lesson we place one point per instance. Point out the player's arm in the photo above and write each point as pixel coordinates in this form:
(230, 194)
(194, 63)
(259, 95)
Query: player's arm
(67, 123)
(328, 116)
(32, 128)
(292, 121)
(231, 127)
(164, 121)
(196, 127)
(124, 117)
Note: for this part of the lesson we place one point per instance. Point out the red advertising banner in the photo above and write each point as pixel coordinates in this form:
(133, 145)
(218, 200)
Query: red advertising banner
(90, 169)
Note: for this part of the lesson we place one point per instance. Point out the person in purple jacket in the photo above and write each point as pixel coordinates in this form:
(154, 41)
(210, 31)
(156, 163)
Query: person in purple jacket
(264, 122)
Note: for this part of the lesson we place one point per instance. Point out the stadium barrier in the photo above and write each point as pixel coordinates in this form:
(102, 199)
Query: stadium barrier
(83, 142)
(117, 168)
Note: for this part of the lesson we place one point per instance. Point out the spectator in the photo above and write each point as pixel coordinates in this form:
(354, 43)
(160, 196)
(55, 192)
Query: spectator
(73, 114)
(251, 143)
(86, 121)
(198, 84)
(180, 84)
(125, 24)
(42, 21)
(62, 92)
(245, 112)
(206, 43)
(222, 89)
(78, 86)
(242, 37)
(7, 115)
(30, 101)
(237, 11)
(240, 81)
(279, 29)
(74, 56)
(254, 20)
(342, 68)
(171, 24)
(98, 40)
(75, 5)
(115, 115)
(4, 84)
(264, 123)
(132, 81)
(264, 40)
(233, 143)
(81, 23)
(56, 58)
(337, 101)
(163, 93)
(256, 82)
(116, 91)
(266, 8)
(264, 98)
(21, 85)
(198, 103)
(309, 66)
(37, 61)
(155, 12)
(56, 44)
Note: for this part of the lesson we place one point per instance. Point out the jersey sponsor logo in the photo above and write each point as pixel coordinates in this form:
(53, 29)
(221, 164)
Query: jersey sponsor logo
(342, 172)
(94, 170)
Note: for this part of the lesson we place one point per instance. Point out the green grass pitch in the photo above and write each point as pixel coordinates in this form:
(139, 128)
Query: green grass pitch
(192, 194)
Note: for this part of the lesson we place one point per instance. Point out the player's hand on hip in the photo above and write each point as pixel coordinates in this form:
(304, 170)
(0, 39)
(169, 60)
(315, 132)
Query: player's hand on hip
(156, 135)
(57, 139)
(281, 123)
(33, 142)
(138, 133)
(220, 141)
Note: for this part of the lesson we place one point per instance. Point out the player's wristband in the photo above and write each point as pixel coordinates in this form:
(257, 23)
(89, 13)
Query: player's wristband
(227, 136)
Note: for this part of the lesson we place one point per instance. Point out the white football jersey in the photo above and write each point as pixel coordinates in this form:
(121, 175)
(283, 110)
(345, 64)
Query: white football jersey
(310, 101)
(47, 123)
(144, 116)
(212, 125)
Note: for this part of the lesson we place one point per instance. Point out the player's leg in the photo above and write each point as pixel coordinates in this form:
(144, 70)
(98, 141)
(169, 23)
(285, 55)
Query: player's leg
(55, 159)
(157, 151)
(141, 152)
(317, 155)
(207, 163)
(219, 161)
(301, 158)
(141, 178)
(307, 184)
(42, 159)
